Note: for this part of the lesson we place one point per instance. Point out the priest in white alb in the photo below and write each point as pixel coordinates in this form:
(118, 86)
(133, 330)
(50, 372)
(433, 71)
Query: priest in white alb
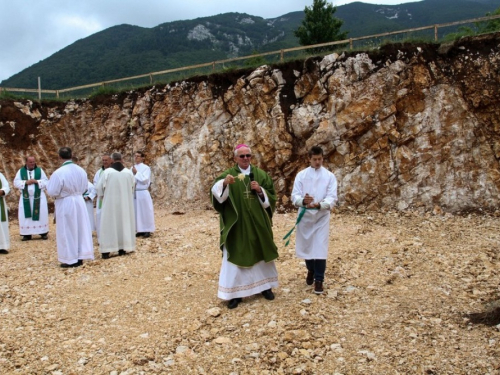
(106, 162)
(143, 204)
(315, 193)
(116, 189)
(33, 212)
(4, 216)
(88, 197)
(73, 234)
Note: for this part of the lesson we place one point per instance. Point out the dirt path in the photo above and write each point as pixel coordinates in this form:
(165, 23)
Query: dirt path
(398, 289)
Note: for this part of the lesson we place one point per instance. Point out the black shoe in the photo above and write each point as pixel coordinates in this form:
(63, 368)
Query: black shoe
(268, 294)
(26, 238)
(139, 234)
(233, 303)
(105, 255)
(122, 252)
(44, 236)
(77, 264)
(3, 251)
(310, 278)
(146, 235)
(318, 287)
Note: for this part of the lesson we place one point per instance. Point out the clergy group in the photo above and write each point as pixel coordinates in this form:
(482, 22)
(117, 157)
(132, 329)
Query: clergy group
(243, 195)
(127, 213)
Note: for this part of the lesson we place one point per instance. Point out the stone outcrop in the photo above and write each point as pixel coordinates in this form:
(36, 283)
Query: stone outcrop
(403, 127)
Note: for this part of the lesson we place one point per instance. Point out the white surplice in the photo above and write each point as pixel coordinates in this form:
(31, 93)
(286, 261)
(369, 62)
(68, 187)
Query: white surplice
(4, 225)
(89, 203)
(239, 282)
(98, 204)
(74, 237)
(143, 204)
(312, 233)
(27, 226)
(117, 230)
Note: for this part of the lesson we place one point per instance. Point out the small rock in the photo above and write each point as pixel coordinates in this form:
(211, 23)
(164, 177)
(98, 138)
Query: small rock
(214, 311)
(222, 340)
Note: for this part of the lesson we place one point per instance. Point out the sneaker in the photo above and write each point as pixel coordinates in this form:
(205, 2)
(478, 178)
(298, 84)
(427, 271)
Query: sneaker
(318, 287)
(310, 277)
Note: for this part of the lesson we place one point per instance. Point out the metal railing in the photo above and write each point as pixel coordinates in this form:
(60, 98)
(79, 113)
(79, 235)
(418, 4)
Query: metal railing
(214, 64)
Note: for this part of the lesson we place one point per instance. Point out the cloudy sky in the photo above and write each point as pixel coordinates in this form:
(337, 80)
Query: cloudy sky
(32, 30)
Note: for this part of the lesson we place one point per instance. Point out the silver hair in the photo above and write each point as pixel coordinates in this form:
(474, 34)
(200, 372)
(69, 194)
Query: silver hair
(116, 156)
(236, 151)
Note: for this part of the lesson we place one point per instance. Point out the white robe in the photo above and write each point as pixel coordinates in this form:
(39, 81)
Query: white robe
(90, 193)
(4, 225)
(98, 204)
(143, 204)
(117, 230)
(238, 282)
(74, 237)
(311, 241)
(26, 225)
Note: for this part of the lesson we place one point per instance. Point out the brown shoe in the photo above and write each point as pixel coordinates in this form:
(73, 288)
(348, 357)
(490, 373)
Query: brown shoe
(318, 287)
(310, 277)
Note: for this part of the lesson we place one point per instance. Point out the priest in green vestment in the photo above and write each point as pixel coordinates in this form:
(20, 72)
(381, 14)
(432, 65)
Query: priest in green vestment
(245, 199)
(33, 212)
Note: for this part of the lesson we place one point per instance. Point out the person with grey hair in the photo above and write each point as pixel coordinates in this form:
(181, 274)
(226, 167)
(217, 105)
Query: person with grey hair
(73, 234)
(33, 212)
(117, 227)
(106, 162)
(245, 198)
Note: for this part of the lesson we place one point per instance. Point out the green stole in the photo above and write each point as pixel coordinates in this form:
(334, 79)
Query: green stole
(26, 196)
(245, 227)
(2, 205)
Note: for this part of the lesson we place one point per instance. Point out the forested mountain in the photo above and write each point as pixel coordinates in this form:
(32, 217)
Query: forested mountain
(125, 50)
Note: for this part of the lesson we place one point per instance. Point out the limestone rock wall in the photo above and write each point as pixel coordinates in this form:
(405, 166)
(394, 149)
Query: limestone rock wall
(403, 127)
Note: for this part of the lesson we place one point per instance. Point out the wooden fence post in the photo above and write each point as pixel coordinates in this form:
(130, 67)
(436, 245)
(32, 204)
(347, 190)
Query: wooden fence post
(435, 33)
(39, 89)
(282, 55)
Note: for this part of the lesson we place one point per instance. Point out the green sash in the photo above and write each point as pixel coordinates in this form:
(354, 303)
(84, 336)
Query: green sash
(299, 218)
(26, 197)
(2, 205)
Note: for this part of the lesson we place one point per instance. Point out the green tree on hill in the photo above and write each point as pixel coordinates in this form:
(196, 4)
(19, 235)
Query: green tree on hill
(319, 25)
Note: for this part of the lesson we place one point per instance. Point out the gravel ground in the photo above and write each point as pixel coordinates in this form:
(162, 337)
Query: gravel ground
(400, 291)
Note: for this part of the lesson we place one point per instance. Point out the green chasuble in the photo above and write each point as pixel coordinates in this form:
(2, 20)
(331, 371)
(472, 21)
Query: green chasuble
(245, 226)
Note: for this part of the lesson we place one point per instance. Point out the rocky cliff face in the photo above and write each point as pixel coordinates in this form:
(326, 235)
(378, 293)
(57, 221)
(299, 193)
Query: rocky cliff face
(403, 127)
